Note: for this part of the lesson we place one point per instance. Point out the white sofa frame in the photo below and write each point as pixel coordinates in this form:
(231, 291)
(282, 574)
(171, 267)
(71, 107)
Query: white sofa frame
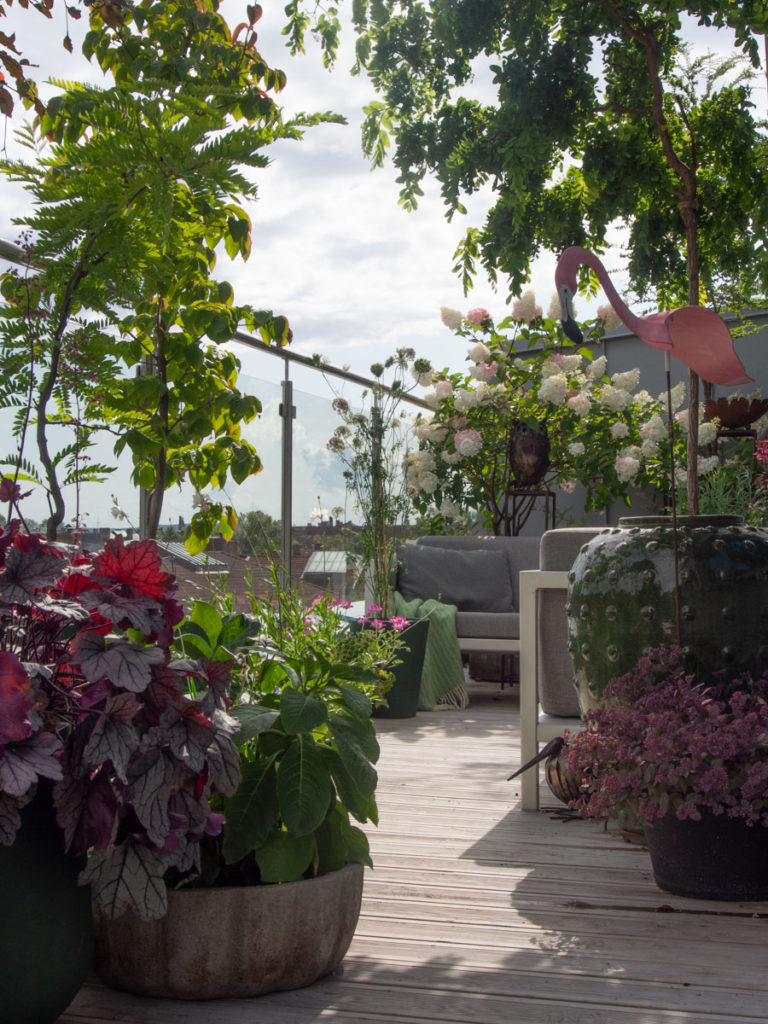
(536, 727)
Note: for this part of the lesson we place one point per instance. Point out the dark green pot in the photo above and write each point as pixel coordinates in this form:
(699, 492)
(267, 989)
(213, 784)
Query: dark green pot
(403, 698)
(621, 599)
(46, 934)
(717, 858)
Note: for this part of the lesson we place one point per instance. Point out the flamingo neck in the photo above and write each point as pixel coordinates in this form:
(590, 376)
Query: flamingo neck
(634, 323)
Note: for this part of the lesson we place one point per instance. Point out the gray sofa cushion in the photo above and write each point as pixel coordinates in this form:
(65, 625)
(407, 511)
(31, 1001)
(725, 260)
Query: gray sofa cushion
(521, 552)
(488, 625)
(476, 580)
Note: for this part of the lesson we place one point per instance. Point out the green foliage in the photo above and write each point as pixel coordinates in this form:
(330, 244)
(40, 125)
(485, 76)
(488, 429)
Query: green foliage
(257, 533)
(596, 118)
(142, 182)
(303, 697)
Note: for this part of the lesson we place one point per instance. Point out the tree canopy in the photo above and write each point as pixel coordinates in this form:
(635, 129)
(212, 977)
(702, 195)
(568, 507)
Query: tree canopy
(595, 117)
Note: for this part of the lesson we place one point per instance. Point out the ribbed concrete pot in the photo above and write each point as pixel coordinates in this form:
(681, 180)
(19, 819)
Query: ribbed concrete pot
(229, 942)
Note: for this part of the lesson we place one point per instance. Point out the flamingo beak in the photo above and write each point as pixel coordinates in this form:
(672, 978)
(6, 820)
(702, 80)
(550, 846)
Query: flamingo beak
(567, 321)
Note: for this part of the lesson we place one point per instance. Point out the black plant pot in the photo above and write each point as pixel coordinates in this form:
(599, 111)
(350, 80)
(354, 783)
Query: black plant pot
(46, 934)
(403, 698)
(717, 858)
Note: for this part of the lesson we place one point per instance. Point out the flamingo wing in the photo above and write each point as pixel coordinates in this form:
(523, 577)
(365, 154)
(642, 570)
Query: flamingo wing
(701, 340)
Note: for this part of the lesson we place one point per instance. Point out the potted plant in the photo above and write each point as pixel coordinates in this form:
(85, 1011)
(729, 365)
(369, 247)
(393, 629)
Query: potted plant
(107, 764)
(689, 763)
(277, 901)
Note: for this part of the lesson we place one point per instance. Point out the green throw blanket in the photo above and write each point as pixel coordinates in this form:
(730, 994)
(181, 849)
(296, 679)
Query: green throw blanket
(443, 670)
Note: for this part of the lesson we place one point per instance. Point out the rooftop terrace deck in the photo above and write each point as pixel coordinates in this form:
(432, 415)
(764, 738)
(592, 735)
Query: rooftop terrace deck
(480, 913)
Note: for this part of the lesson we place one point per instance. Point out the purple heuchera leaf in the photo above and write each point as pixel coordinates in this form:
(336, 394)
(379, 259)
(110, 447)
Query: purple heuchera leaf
(115, 738)
(188, 733)
(28, 568)
(140, 612)
(22, 763)
(10, 819)
(125, 663)
(14, 699)
(128, 876)
(150, 777)
(86, 811)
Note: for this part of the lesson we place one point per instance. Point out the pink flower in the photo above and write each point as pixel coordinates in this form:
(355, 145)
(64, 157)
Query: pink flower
(398, 623)
(373, 608)
(478, 316)
(467, 443)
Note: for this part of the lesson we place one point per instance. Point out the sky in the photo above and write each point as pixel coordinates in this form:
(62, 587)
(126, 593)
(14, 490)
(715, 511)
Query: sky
(356, 275)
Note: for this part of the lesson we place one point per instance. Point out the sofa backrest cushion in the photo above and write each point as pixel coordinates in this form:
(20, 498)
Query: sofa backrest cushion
(476, 580)
(521, 552)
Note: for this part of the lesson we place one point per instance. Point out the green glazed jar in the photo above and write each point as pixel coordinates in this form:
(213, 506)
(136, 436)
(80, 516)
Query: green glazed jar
(621, 599)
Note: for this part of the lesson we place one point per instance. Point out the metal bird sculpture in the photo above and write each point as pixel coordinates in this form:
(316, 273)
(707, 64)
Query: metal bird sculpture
(695, 335)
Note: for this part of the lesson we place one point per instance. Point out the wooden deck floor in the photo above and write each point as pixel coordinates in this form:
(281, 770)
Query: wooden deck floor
(479, 913)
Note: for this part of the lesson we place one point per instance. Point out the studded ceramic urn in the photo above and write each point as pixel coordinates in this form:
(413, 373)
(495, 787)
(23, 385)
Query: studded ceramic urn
(623, 599)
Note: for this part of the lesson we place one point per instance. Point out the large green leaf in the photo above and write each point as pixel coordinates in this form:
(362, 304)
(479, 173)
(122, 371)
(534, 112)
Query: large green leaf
(304, 787)
(301, 713)
(285, 858)
(331, 842)
(360, 803)
(252, 811)
(356, 701)
(254, 719)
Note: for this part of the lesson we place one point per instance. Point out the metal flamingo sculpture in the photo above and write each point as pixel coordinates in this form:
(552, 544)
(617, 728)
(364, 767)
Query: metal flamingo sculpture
(695, 335)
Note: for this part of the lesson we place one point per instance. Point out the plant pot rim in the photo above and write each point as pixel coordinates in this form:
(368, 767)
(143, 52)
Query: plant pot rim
(641, 522)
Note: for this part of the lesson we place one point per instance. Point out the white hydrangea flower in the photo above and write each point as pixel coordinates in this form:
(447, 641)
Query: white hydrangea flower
(479, 353)
(642, 399)
(682, 419)
(451, 458)
(465, 399)
(627, 467)
(555, 309)
(615, 399)
(576, 448)
(525, 308)
(706, 465)
(580, 403)
(649, 448)
(424, 379)
(550, 368)
(452, 318)
(609, 316)
(627, 381)
(571, 364)
(597, 367)
(449, 509)
(655, 429)
(677, 395)
(428, 483)
(707, 432)
(619, 429)
(569, 486)
(554, 389)
(443, 389)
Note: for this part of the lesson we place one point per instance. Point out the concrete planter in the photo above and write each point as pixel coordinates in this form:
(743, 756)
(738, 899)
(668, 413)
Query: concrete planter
(229, 942)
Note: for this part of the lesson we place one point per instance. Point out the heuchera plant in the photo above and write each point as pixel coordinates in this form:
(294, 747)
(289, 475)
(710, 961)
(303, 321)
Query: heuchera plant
(91, 698)
(661, 744)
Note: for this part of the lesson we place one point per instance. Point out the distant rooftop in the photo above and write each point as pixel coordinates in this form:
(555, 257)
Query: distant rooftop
(326, 562)
(201, 562)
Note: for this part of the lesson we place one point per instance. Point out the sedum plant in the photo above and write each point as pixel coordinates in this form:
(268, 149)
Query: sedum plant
(96, 711)
(661, 745)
